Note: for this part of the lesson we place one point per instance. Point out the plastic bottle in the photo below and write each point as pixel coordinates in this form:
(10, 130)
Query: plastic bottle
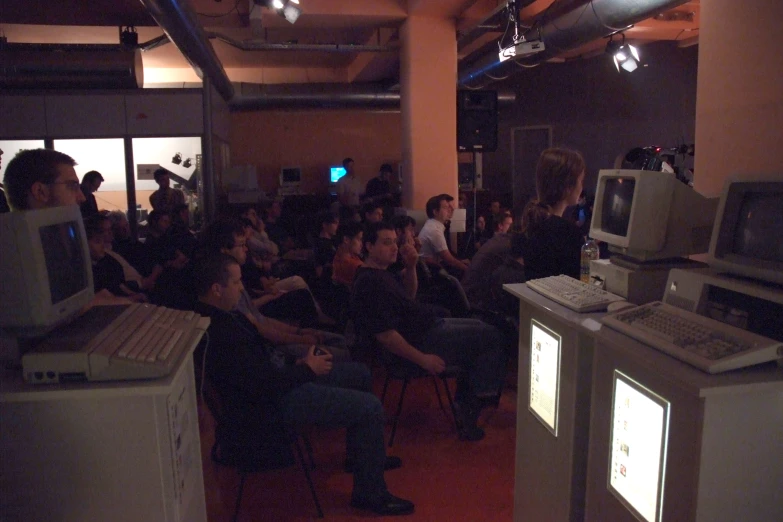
(589, 253)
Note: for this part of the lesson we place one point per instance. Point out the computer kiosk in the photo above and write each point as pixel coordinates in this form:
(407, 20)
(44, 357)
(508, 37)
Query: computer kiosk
(119, 451)
(670, 443)
(553, 408)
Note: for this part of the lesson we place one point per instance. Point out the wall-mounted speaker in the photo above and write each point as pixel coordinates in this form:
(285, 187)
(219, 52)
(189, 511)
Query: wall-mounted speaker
(477, 121)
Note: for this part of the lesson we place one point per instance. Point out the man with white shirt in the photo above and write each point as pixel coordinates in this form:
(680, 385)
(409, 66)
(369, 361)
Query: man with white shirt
(434, 248)
(349, 187)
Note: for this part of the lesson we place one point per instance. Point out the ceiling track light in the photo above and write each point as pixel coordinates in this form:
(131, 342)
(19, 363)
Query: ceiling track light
(288, 9)
(625, 56)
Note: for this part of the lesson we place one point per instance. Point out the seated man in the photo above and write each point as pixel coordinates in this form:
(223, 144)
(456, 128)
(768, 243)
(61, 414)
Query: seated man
(263, 393)
(512, 271)
(384, 307)
(432, 235)
(227, 237)
(491, 255)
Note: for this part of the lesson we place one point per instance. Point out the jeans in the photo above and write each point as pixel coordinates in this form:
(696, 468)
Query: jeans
(474, 346)
(341, 399)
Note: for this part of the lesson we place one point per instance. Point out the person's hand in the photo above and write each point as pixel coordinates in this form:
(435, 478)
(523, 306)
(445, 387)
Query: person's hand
(320, 364)
(409, 255)
(317, 334)
(433, 364)
(308, 339)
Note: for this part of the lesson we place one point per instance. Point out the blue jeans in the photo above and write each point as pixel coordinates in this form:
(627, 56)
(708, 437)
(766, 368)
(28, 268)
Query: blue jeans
(474, 346)
(341, 399)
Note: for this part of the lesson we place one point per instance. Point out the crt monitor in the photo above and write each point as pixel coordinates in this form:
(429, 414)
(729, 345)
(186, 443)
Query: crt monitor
(335, 173)
(748, 236)
(648, 215)
(46, 269)
(290, 176)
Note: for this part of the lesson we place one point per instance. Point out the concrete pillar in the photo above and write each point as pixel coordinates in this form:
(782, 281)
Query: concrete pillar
(428, 73)
(739, 93)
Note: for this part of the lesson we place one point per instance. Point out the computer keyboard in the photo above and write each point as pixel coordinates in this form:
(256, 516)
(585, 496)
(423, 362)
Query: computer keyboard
(573, 293)
(705, 343)
(142, 342)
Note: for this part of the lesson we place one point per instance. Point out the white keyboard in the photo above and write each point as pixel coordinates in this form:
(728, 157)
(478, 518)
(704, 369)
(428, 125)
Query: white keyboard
(142, 342)
(705, 343)
(573, 293)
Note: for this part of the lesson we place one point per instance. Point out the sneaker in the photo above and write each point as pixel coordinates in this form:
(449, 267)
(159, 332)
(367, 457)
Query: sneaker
(384, 504)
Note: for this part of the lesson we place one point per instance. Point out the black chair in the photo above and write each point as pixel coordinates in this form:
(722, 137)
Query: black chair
(401, 370)
(244, 466)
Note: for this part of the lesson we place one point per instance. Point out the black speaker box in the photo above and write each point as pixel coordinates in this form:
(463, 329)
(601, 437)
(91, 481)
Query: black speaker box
(477, 121)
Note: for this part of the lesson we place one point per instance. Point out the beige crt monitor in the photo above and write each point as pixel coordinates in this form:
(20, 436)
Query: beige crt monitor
(648, 215)
(748, 236)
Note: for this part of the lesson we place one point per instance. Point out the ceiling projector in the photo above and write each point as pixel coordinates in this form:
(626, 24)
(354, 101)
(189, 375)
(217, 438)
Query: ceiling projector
(520, 49)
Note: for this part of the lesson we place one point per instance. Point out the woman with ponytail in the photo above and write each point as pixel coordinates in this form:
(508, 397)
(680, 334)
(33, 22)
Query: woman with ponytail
(553, 244)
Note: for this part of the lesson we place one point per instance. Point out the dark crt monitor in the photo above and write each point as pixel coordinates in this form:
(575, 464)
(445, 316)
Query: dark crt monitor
(290, 176)
(616, 205)
(748, 236)
(46, 267)
(335, 173)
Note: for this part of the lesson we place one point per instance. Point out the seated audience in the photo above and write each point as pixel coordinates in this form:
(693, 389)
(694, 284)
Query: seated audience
(259, 241)
(227, 237)
(383, 307)
(325, 245)
(265, 397)
(132, 276)
(131, 249)
(512, 271)
(488, 258)
(372, 212)
(553, 243)
(107, 272)
(348, 257)
(434, 248)
(379, 186)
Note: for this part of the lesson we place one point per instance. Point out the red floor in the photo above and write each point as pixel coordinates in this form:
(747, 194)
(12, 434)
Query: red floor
(447, 479)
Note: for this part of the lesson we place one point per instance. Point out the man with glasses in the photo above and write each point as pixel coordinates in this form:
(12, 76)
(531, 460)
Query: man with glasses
(42, 178)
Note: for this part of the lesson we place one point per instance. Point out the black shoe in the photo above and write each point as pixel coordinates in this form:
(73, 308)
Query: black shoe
(392, 462)
(384, 504)
(466, 416)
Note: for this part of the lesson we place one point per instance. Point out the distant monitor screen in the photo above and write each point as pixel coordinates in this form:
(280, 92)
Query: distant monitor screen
(336, 173)
(291, 175)
(63, 253)
(758, 230)
(545, 347)
(616, 205)
(637, 447)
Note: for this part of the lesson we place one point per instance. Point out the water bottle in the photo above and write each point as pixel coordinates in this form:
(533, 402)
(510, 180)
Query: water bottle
(589, 253)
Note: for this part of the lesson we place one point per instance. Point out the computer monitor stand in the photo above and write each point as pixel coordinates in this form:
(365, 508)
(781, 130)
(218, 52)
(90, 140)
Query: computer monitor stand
(639, 282)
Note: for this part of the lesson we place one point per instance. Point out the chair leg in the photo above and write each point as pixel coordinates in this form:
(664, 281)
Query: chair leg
(385, 386)
(309, 450)
(451, 403)
(309, 479)
(399, 410)
(242, 475)
(437, 392)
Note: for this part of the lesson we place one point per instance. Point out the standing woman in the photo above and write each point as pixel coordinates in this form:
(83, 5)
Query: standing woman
(553, 242)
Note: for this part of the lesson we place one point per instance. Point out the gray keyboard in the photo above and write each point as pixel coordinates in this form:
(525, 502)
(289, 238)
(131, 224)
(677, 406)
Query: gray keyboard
(142, 342)
(573, 293)
(705, 343)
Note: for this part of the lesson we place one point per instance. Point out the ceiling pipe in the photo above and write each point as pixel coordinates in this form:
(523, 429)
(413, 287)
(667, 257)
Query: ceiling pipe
(586, 21)
(259, 45)
(179, 22)
(324, 96)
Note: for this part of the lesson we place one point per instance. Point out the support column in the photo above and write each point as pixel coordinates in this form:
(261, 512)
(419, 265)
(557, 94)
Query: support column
(739, 93)
(428, 71)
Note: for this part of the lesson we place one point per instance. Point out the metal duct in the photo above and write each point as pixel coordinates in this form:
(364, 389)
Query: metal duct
(584, 22)
(324, 96)
(44, 66)
(179, 22)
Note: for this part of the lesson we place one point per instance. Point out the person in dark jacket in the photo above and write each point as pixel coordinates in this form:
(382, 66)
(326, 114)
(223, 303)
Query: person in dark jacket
(259, 390)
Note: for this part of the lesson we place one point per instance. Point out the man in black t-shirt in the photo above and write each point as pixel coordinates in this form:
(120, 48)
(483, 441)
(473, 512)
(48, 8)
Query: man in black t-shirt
(383, 307)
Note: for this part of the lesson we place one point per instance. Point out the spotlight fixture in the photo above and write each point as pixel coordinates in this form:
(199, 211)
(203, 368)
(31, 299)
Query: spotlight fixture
(177, 159)
(187, 163)
(625, 56)
(288, 9)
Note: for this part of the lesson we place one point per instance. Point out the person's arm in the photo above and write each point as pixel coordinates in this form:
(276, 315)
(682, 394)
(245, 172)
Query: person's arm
(409, 277)
(446, 257)
(396, 344)
(278, 332)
